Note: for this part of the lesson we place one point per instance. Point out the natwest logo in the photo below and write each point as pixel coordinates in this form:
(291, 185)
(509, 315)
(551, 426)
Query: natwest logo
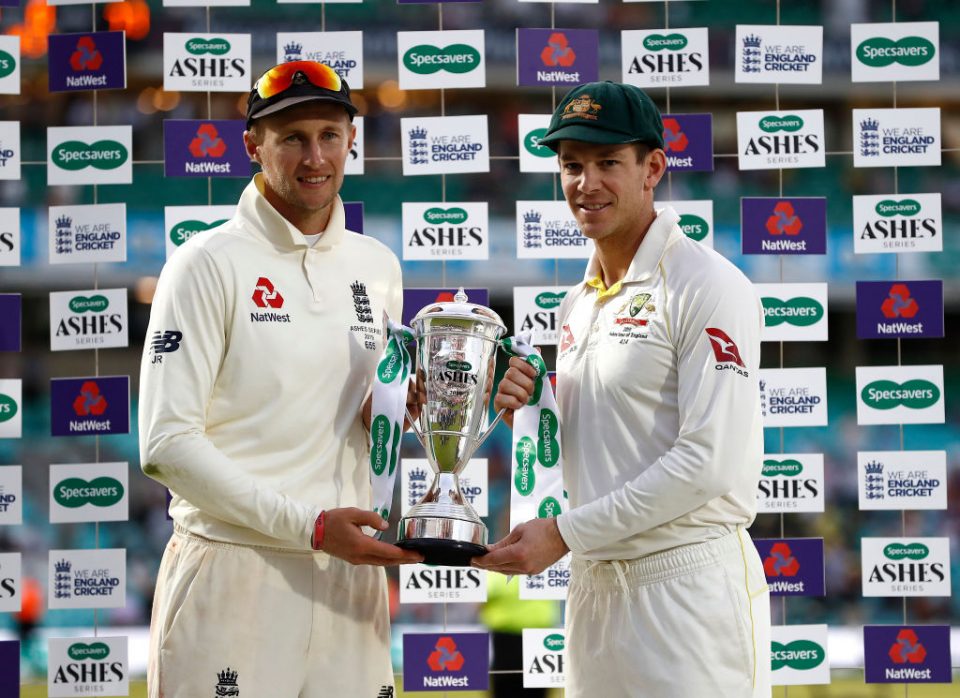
(446, 656)
(675, 140)
(265, 295)
(781, 562)
(558, 51)
(907, 648)
(86, 56)
(207, 142)
(89, 401)
(784, 220)
(899, 303)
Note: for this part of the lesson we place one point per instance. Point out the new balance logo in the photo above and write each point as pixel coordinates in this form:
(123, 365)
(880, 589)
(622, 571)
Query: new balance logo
(164, 342)
(385, 692)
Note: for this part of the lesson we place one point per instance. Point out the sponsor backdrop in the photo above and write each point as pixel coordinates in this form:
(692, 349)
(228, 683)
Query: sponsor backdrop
(778, 133)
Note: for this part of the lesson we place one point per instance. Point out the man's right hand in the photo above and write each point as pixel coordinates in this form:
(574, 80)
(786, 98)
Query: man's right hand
(515, 388)
(343, 537)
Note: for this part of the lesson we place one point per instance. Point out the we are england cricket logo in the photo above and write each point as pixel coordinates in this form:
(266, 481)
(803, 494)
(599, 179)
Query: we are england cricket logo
(87, 578)
(204, 148)
(548, 230)
(439, 59)
(898, 480)
(905, 566)
(87, 233)
(206, 62)
(89, 61)
(665, 58)
(896, 137)
(10, 65)
(900, 51)
(793, 397)
(183, 222)
(781, 54)
(11, 495)
(897, 223)
(10, 150)
(342, 51)
(445, 145)
(89, 155)
(774, 140)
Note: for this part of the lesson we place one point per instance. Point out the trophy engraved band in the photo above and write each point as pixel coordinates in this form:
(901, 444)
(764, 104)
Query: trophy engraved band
(456, 356)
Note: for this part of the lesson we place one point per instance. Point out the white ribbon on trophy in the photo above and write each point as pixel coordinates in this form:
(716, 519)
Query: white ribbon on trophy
(537, 467)
(387, 413)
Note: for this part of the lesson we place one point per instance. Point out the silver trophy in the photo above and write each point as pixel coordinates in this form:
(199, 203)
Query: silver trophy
(456, 356)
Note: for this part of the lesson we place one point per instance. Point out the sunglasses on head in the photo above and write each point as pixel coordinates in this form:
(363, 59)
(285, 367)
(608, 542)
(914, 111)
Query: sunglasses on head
(281, 77)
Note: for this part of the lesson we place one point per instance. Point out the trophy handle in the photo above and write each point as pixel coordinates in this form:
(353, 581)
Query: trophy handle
(493, 424)
(416, 429)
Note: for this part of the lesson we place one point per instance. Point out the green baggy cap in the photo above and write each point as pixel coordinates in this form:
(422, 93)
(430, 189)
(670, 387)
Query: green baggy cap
(605, 112)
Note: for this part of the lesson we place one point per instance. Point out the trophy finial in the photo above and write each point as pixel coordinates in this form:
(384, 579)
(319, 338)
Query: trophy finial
(461, 296)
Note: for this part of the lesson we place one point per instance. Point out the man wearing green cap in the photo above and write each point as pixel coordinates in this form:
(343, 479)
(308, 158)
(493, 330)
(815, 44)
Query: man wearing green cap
(657, 389)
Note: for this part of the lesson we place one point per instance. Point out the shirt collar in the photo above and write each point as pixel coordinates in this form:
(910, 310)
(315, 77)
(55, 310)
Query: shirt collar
(661, 231)
(254, 207)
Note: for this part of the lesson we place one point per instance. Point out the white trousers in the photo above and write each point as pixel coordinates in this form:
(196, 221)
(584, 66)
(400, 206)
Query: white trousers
(232, 620)
(692, 622)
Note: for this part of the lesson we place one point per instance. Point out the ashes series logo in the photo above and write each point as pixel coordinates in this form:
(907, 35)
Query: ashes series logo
(544, 653)
(773, 140)
(791, 482)
(895, 223)
(445, 144)
(10, 583)
(452, 230)
(661, 58)
(781, 54)
(9, 237)
(535, 308)
(87, 666)
(88, 319)
(896, 137)
(206, 62)
(898, 480)
(905, 567)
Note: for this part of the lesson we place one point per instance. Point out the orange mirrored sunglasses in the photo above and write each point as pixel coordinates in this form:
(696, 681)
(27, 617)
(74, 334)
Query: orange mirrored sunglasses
(280, 77)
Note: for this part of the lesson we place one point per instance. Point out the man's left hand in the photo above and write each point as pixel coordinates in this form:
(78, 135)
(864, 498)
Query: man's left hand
(530, 548)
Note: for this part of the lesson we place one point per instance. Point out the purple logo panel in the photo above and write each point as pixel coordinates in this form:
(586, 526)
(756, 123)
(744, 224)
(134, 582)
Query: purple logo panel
(10, 668)
(899, 309)
(783, 226)
(87, 61)
(353, 215)
(446, 661)
(204, 148)
(794, 566)
(90, 406)
(10, 315)
(906, 654)
(557, 56)
(688, 142)
(415, 299)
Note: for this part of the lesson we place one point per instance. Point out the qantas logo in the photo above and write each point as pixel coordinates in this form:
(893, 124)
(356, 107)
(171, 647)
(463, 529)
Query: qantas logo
(726, 352)
(566, 339)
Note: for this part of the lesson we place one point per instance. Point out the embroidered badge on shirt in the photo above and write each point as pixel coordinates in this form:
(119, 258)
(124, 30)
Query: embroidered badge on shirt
(633, 317)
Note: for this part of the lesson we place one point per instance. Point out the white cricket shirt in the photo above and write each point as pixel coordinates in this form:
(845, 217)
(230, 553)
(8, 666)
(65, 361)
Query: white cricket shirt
(252, 417)
(659, 401)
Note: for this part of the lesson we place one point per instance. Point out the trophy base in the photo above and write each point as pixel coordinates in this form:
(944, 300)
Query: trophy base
(446, 553)
(450, 542)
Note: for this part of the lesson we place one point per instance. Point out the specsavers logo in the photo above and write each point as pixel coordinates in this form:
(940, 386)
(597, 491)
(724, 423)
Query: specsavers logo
(799, 654)
(531, 143)
(788, 468)
(910, 51)
(668, 42)
(909, 551)
(93, 304)
(914, 394)
(8, 64)
(426, 59)
(800, 311)
(96, 651)
(891, 207)
(8, 408)
(99, 492)
(201, 47)
(101, 155)
(184, 230)
(549, 300)
(774, 124)
(694, 227)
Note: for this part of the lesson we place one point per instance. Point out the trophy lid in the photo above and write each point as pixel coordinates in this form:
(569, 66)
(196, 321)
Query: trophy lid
(459, 309)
